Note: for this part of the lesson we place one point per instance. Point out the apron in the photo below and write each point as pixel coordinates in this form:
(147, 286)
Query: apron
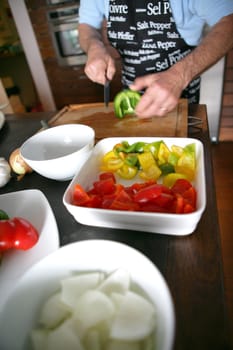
(145, 34)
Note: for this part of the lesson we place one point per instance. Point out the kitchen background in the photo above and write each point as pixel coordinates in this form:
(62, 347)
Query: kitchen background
(41, 65)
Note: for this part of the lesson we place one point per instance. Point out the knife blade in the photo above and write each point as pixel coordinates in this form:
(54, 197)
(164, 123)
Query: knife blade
(106, 93)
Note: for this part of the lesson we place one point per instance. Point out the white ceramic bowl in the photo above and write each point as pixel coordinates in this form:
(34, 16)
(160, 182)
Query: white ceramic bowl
(20, 313)
(58, 152)
(33, 206)
(163, 223)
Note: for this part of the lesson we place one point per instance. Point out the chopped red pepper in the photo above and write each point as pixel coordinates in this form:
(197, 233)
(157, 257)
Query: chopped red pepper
(80, 196)
(150, 193)
(148, 196)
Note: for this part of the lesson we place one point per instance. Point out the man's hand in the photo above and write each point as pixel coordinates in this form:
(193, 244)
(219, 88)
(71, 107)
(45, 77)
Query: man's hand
(162, 90)
(100, 65)
(162, 93)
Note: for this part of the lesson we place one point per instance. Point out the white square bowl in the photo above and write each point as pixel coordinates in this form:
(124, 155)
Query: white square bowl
(163, 223)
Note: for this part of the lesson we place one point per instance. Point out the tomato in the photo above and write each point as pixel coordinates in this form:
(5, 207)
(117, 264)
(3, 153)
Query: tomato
(7, 229)
(26, 235)
(17, 233)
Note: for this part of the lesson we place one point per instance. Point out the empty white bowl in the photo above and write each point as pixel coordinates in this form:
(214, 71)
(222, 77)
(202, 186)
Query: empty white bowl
(21, 311)
(59, 152)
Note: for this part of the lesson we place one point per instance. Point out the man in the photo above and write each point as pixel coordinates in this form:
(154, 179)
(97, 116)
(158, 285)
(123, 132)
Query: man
(161, 44)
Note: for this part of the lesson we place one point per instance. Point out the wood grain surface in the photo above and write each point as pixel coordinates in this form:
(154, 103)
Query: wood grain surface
(106, 124)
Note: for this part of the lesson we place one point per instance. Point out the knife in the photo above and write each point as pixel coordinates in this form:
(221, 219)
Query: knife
(106, 93)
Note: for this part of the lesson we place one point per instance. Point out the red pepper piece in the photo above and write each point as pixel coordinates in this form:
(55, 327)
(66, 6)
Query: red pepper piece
(180, 186)
(149, 193)
(106, 186)
(80, 196)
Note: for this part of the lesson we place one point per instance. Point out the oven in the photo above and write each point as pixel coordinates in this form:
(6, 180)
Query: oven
(63, 24)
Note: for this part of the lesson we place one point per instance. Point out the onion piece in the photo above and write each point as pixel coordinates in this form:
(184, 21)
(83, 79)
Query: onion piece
(17, 163)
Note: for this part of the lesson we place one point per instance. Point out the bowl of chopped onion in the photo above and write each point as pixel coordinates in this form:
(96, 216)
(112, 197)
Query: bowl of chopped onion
(92, 294)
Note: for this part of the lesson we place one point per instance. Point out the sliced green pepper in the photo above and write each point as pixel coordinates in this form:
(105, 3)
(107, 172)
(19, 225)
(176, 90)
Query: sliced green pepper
(125, 102)
(167, 168)
(131, 160)
(3, 215)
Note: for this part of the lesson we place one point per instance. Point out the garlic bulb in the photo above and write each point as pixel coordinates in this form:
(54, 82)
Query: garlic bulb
(5, 172)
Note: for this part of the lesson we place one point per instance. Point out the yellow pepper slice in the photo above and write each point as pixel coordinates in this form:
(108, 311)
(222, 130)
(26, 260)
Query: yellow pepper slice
(171, 178)
(152, 173)
(146, 160)
(186, 165)
(150, 169)
(127, 172)
(110, 162)
(177, 150)
(163, 153)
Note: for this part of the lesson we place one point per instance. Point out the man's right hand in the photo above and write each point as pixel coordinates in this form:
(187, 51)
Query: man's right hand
(100, 66)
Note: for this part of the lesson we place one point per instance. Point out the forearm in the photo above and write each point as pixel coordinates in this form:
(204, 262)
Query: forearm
(100, 65)
(214, 46)
(90, 39)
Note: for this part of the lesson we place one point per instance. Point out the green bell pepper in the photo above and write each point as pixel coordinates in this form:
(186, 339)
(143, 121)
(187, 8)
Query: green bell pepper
(125, 102)
(3, 215)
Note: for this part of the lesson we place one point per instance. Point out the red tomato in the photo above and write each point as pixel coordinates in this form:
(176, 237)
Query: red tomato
(7, 229)
(26, 235)
(17, 233)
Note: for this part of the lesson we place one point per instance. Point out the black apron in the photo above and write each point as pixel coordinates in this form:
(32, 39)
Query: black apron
(145, 35)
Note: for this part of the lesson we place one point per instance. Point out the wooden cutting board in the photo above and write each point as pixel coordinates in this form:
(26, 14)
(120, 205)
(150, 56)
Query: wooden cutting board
(103, 120)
